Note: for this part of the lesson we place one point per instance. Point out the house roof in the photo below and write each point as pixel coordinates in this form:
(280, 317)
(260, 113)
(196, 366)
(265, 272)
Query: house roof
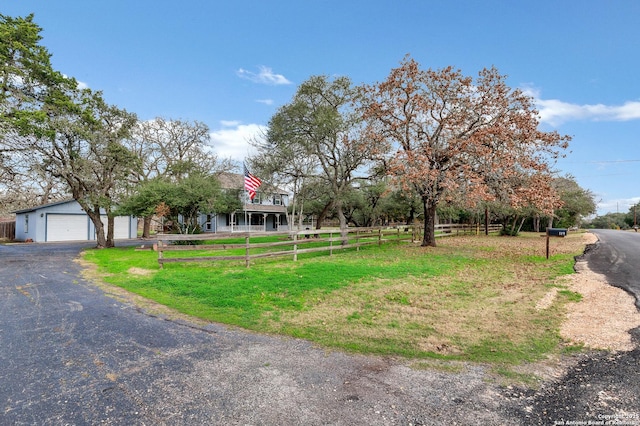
(33, 209)
(231, 180)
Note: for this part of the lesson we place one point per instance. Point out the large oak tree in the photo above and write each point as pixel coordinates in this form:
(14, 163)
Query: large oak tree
(317, 137)
(444, 127)
(85, 150)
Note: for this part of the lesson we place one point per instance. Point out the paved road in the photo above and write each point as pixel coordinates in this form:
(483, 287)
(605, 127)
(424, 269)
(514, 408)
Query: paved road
(618, 258)
(71, 355)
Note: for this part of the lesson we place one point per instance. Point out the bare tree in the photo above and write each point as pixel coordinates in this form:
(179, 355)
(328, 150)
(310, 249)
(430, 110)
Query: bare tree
(172, 150)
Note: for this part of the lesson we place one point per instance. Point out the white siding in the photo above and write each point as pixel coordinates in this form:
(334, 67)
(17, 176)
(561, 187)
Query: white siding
(122, 226)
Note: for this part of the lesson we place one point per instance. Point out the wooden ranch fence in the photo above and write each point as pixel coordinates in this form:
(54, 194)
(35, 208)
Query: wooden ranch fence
(213, 247)
(462, 229)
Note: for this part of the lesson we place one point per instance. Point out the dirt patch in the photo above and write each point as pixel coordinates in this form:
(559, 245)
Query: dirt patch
(604, 316)
(547, 300)
(141, 271)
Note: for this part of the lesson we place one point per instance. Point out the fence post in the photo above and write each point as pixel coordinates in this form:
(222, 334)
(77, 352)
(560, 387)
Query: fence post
(246, 241)
(160, 256)
(380, 236)
(330, 243)
(295, 247)
(357, 239)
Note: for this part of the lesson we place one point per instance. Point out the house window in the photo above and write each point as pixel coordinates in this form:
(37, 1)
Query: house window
(277, 200)
(257, 219)
(26, 223)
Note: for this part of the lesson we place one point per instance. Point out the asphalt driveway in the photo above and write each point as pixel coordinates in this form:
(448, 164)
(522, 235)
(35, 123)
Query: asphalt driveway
(69, 354)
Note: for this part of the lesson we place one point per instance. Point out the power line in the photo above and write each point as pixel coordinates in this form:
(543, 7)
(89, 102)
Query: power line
(599, 162)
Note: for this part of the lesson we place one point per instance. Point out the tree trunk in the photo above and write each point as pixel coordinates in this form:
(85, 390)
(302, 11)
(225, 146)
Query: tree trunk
(343, 223)
(429, 238)
(110, 231)
(411, 217)
(486, 221)
(300, 216)
(513, 226)
(146, 227)
(101, 240)
(322, 215)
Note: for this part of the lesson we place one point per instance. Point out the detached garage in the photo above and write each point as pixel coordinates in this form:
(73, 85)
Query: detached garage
(66, 221)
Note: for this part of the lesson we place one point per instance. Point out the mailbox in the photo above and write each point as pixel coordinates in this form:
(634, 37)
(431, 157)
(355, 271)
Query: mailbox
(557, 232)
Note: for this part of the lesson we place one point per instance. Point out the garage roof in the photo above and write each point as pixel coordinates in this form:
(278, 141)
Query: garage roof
(33, 209)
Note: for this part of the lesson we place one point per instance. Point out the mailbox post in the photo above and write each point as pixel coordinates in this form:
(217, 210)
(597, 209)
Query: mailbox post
(555, 232)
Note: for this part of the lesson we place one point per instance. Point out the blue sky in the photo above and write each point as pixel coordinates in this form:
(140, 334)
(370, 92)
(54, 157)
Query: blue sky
(231, 64)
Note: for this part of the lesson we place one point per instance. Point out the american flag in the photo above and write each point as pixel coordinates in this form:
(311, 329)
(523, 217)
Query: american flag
(251, 183)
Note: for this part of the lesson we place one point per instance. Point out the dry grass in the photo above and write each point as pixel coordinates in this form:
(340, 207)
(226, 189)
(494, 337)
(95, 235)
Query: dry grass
(496, 300)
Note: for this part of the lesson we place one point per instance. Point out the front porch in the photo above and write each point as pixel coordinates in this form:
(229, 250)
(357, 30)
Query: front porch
(246, 222)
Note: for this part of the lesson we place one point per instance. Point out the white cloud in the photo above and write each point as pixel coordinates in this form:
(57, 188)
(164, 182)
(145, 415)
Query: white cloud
(265, 75)
(617, 206)
(232, 140)
(230, 123)
(81, 84)
(265, 101)
(556, 112)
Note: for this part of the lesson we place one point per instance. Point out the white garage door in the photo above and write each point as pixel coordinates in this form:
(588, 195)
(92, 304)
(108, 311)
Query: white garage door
(121, 227)
(67, 227)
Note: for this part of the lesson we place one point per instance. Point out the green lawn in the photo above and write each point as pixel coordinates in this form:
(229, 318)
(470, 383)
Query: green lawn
(470, 298)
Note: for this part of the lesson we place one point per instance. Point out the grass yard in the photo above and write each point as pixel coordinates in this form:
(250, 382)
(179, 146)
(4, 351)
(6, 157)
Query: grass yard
(470, 298)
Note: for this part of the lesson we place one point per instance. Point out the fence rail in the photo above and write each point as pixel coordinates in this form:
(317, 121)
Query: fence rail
(463, 229)
(216, 247)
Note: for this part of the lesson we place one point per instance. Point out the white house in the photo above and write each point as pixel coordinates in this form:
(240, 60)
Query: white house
(66, 221)
(267, 212)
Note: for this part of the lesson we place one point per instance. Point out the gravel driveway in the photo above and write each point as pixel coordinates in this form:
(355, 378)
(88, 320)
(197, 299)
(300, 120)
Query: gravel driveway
(72, 355)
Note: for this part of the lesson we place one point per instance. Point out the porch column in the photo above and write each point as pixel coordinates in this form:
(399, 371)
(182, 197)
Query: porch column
(264, 222)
